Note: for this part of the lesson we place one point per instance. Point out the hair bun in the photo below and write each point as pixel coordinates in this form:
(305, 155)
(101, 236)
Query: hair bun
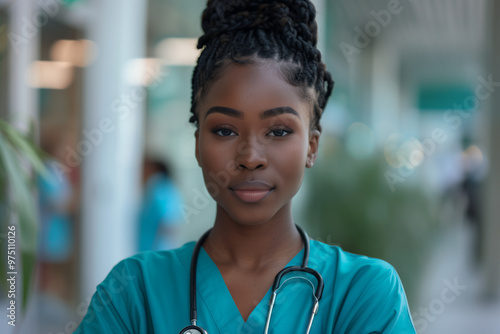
(242, 31)
(295, 17)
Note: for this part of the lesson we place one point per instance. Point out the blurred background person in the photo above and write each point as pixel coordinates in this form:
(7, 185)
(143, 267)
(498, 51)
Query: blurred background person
(57, 203)
(159, 214)
(56, 232)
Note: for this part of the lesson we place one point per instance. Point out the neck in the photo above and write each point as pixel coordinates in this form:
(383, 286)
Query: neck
(255, 246)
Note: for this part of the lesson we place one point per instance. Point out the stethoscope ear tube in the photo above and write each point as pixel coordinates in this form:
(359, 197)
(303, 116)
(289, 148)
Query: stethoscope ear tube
(193, 329)
(302, 268)
(319, 288)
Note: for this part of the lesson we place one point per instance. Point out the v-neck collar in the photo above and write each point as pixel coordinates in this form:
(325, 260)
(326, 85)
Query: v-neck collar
(212, 290)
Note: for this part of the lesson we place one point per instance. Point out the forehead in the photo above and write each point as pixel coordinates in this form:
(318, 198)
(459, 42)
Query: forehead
(253, 88)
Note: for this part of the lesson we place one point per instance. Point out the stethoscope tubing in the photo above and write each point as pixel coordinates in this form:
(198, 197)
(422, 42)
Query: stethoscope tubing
(192, 278)
(276, 284)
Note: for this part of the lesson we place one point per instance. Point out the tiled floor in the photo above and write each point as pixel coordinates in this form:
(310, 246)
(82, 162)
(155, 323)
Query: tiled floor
(45, 315)
(464, 308)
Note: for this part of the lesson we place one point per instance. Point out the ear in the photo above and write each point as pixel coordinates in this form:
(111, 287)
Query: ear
(312, 151)
(197, 149)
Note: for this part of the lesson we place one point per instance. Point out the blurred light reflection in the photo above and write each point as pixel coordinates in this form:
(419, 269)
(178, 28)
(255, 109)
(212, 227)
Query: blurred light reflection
(51, 74)
(360, 141)
(77, 52)
(178, 51)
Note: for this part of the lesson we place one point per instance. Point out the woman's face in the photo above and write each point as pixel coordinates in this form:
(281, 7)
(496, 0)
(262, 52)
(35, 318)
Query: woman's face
(254, 142)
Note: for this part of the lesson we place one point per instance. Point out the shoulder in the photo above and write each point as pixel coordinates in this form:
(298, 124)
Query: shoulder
(347, 263)
(148, 260)
(357, 274)
(365, 292)
(133, 287)
(149, 266)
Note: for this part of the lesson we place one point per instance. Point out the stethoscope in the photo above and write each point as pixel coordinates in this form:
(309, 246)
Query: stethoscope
(195, 329)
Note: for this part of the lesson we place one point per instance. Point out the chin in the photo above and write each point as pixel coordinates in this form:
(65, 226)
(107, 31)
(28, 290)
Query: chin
(249, 214)
(250, 218)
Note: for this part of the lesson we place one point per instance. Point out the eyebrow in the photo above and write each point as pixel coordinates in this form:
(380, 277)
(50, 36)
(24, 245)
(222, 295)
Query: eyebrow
(266, 114)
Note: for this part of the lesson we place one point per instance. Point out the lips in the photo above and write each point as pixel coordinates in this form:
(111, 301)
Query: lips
(251, 191)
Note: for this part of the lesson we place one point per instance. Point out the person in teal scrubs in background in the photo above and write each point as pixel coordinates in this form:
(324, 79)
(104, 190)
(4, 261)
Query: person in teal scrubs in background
(259, 90)
(160, 209)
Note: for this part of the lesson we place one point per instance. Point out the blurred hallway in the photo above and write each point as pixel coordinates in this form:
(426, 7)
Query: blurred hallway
(471, 311)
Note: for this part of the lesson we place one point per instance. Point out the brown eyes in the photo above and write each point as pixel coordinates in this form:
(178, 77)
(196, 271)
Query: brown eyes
(279, 131)
(224, 132)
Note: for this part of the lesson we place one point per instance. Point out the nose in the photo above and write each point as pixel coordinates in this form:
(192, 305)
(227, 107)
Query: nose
(251, 155)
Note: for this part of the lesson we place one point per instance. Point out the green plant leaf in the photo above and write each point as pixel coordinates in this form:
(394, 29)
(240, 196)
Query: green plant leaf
(21, 144)
(28, 267)
(22, 200)
(19, 158)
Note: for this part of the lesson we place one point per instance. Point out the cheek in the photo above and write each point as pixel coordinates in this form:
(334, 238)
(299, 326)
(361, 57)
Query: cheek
(290, 159)
(216, 158)
(209, 155)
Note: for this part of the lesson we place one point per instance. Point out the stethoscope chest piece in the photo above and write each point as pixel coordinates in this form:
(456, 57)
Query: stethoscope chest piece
(193, 330)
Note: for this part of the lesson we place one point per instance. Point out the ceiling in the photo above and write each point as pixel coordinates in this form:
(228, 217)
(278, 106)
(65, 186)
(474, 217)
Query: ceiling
(435, 39)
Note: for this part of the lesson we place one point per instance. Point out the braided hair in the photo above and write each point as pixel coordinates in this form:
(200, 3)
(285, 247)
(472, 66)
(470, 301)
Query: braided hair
(249, 31)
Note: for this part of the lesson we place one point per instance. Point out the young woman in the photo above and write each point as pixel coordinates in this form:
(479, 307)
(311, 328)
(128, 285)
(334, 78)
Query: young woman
(259, 90)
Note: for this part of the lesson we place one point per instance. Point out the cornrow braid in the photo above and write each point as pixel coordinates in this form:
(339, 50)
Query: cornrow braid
(244, 31)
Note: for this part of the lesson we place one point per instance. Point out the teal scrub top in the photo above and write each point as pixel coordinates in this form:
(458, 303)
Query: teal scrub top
(149, 293)
(160, 206)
